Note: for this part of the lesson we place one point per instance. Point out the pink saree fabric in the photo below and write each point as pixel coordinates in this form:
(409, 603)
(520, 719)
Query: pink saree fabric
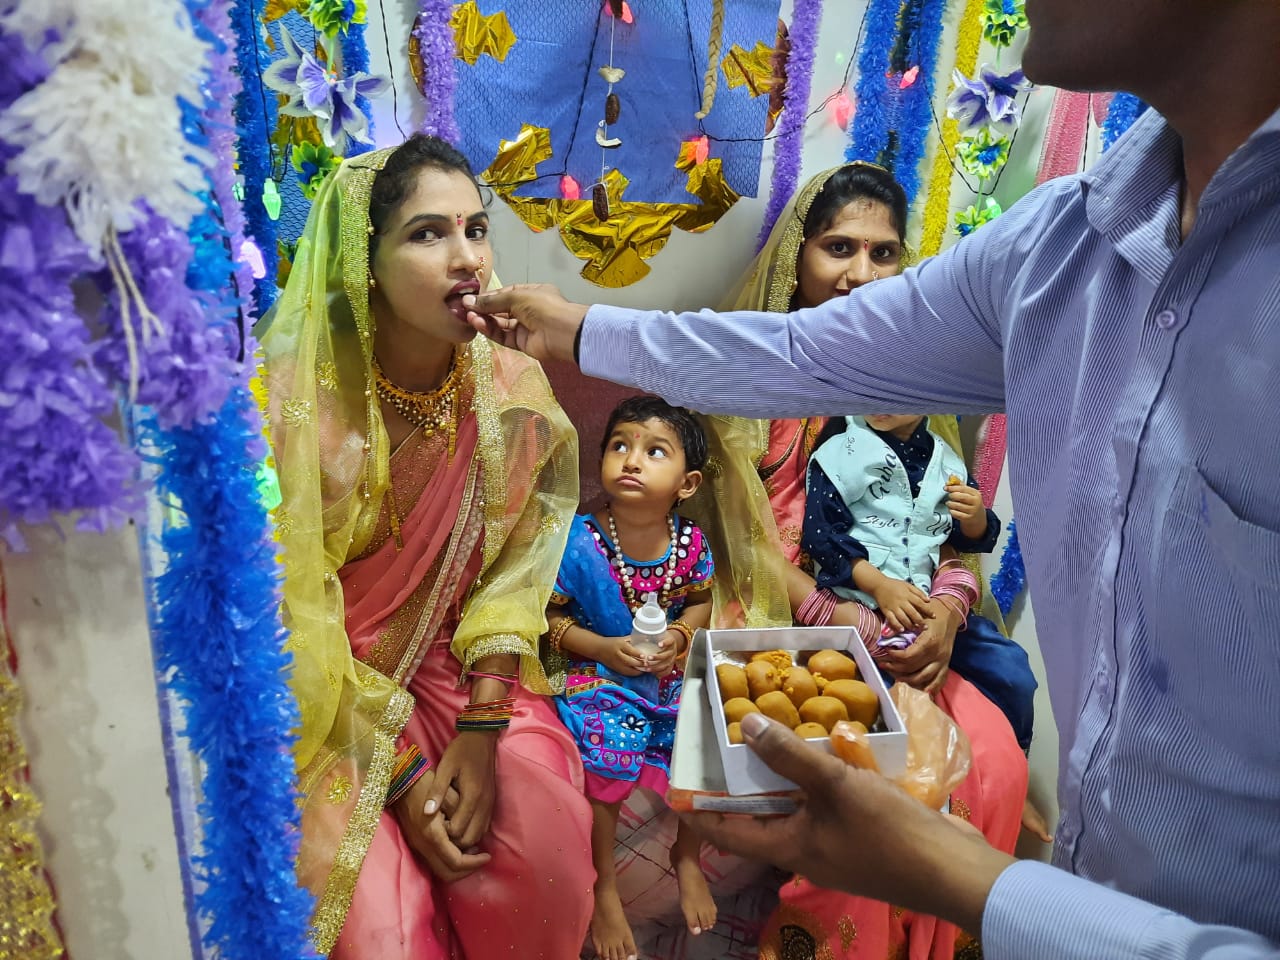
(533, 899)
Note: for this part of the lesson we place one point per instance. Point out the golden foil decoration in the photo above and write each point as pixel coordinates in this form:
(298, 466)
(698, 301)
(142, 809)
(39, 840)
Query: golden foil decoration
(476, 34)
(615, 250)
(752, 68)
(275, 9)
(26, 901)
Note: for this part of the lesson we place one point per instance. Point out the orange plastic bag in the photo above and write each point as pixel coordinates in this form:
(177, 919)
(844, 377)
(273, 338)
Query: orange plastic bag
(938, 752)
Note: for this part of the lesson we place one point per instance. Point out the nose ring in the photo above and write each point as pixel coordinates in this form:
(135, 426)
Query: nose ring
(874, 275)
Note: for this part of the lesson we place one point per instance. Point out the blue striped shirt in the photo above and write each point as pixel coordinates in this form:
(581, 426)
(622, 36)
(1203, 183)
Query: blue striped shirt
(1141, 375)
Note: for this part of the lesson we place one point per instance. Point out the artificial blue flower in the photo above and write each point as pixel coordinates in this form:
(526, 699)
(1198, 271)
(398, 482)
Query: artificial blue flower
(316, 90)
(987, 100)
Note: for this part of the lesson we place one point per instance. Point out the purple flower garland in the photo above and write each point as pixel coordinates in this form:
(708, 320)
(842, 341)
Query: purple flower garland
(806, 16)
(439, 76)
(56, 452)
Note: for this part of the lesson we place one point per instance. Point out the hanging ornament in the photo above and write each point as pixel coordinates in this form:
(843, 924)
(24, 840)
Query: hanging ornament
(612, 108)
(271, 199)
(612, 74)
(603, 138)
(600, 202)
(621, 10)
(842, 110)
(570, 189)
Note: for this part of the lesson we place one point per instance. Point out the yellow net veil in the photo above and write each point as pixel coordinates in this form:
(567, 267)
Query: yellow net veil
(332, 455)
(732, 506)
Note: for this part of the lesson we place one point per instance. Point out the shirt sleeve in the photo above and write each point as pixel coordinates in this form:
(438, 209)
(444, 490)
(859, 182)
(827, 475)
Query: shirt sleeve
(824, 535)
(984, 544)
(1035, 910)
(929, 340)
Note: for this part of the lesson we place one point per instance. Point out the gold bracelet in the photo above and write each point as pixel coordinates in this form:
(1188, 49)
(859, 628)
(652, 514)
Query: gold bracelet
(558, 631)
(684, 630)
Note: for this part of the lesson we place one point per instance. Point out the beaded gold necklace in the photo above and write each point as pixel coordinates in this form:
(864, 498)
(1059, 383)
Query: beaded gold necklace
(431, 411)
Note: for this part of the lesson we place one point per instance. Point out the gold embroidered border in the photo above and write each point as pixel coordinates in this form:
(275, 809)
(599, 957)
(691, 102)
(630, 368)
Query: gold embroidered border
(331, 911)
(26, 900)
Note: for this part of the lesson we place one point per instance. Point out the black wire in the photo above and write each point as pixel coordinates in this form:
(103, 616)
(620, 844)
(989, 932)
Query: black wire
(386, 42)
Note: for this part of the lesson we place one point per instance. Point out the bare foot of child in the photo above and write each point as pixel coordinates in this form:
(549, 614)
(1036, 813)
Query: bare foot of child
(1033, 822)
(695, 896)
(610, 933)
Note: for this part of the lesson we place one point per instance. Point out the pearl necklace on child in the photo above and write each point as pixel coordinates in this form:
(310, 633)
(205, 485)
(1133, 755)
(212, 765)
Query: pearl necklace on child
(628, 591)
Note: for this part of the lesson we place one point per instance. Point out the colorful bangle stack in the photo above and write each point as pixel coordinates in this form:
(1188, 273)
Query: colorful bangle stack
(558, 631)
(956, 588)
(487, 716)
(410, 765)
(818, 608)
(685, 631)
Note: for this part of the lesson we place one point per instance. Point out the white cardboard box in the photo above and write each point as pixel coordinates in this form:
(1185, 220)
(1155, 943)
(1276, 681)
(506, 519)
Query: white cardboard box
(716, 776)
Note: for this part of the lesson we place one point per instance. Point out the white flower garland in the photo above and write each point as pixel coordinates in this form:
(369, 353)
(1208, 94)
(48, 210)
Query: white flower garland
(104, 129)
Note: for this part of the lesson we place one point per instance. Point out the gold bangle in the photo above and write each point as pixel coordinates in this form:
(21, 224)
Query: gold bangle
(684, 630)
(558, 631)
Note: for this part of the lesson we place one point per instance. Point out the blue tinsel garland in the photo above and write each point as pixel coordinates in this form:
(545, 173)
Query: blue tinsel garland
(216, 626)
(255, 116)
(1011, 579)
(1124, 110)
(883, 106)
(355, 59)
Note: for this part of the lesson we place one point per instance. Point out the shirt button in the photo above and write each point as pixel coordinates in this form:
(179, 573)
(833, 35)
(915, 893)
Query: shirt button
(1166, 319)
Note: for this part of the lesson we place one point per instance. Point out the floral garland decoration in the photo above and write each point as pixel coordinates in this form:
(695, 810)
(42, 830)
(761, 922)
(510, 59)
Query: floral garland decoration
(806, 16)
(217, 631)
(255, 115)
(895, 88)
(1124, 110)
(317, 90)
(57, 453)
(436, 46)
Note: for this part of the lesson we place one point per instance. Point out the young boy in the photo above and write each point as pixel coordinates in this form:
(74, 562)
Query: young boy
(883, 499)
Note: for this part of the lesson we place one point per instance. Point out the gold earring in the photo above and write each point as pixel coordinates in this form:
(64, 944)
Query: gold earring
(372, 282)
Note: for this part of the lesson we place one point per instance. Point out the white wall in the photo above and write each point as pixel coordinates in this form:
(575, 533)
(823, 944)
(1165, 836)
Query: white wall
(92, 731)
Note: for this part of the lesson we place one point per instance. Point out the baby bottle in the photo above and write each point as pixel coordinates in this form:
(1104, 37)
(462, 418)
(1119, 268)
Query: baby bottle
(648, 626)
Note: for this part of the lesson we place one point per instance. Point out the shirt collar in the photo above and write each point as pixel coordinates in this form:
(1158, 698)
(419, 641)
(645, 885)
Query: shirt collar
(1147, 161)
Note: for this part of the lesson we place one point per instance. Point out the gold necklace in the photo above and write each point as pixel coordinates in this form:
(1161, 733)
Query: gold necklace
(431, 411)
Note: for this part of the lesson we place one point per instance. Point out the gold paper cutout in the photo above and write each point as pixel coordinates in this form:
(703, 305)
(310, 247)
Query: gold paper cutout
(752, 68)
(26, 900)
(275, 9)
(615, 250)
(476, 34)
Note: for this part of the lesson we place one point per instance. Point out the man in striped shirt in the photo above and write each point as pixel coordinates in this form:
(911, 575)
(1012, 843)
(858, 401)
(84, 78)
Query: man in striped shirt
(1128, 321)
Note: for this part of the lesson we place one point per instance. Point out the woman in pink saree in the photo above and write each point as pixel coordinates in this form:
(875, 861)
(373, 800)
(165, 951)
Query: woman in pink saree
(825, 244)
(428, 480)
